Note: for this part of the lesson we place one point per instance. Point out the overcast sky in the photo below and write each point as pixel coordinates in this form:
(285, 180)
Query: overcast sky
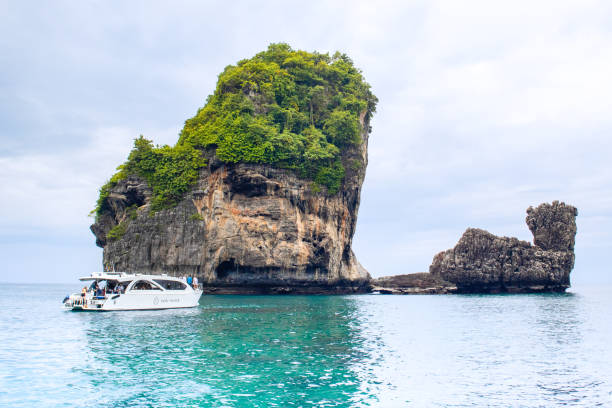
(485, 108)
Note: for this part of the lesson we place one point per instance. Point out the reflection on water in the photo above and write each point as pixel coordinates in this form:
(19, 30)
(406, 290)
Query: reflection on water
(263, 351)
(256, 350)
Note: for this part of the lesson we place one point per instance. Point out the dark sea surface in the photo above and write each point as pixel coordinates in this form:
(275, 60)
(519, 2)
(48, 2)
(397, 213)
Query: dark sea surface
(303, 351)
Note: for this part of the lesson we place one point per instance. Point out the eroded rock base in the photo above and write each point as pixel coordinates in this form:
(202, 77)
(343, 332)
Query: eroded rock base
(421, 283)
(341, 289)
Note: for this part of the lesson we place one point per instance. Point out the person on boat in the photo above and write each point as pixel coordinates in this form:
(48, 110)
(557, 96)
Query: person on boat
(189, 280)
(195, 282)
(83, 294)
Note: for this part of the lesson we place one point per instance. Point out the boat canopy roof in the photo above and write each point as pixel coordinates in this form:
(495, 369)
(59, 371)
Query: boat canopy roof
(123, 276)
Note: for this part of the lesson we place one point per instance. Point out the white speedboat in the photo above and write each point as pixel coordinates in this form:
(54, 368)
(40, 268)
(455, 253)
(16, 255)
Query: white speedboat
(121, 291)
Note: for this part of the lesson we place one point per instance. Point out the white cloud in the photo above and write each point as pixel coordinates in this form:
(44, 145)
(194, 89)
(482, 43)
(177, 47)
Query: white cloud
(57, 191)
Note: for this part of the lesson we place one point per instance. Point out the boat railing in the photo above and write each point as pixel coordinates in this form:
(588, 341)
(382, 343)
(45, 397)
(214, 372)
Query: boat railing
(85, 301)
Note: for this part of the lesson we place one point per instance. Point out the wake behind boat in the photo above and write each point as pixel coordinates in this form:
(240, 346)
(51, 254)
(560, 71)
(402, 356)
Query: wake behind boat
(122, 291)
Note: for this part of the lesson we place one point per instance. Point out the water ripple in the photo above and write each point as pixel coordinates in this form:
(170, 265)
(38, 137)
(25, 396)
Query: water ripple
(300, 351)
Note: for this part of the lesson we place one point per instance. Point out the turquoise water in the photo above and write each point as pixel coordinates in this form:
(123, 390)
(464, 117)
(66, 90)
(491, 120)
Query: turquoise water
(322, 351)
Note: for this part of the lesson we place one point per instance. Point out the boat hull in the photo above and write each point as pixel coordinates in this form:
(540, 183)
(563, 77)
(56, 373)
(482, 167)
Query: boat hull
(138, 301)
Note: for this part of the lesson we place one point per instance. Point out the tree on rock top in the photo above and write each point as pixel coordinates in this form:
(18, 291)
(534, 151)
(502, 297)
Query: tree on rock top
(291, 109)
(286, 108)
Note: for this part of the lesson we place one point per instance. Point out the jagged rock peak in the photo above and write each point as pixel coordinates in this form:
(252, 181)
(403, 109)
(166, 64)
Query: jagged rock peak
(553, 226)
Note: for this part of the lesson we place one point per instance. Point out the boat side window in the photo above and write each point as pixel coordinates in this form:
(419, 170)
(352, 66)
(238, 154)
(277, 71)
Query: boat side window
(144, 285)
(122, 286)
(171, 284)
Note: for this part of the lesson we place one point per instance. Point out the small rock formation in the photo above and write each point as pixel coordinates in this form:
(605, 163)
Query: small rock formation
(483, 262)
(412, 284)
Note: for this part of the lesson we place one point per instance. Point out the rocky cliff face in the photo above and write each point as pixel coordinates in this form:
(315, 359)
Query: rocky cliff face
(483, 262)
(244, 228)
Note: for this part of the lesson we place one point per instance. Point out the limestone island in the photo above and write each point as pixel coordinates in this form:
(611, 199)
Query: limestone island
(261, 191)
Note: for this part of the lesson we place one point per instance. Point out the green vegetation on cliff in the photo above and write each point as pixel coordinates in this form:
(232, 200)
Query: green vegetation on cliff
(117, 231)
(290, 109)
(170, 171)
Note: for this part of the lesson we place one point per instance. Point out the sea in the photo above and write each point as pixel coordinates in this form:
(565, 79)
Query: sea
(540, 350)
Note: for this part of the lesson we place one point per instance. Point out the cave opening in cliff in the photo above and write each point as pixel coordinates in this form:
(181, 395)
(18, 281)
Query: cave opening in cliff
(135, 197)
(225, 268)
